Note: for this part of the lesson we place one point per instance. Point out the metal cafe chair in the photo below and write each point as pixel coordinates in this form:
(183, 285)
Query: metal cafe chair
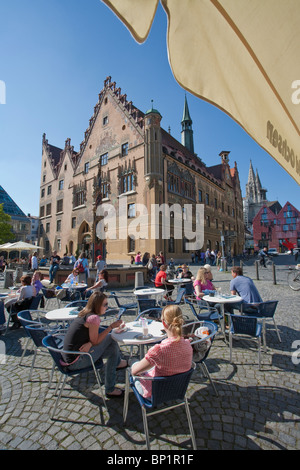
(167, 393)
(245, 326)
(53, 344)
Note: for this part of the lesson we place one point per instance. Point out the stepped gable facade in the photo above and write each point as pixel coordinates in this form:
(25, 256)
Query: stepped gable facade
(125, 159)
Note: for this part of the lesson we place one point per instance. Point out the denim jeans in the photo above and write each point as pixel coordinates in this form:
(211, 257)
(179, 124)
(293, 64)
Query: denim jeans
(52, 271)
(108, 348)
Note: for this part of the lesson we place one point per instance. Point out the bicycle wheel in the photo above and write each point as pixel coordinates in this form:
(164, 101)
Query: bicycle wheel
(269, 263)
(294, 279)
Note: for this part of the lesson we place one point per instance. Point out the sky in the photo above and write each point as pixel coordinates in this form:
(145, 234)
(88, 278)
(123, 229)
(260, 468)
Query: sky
(54, 58)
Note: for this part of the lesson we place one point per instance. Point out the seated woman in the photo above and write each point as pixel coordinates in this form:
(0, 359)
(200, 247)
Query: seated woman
(202, 283)
(161, 280)
(37, 277)
(85, 335)
(25, 292)
(99, 285)
(172, 356)
(73, 278)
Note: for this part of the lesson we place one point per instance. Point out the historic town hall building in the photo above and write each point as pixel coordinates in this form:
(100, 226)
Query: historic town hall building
(126, 165)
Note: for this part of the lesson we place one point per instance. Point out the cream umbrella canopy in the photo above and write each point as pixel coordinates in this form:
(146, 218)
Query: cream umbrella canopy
(19, 246)
(240, 55)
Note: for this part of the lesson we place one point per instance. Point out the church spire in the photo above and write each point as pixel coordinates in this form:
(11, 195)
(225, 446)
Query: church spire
(187, 138)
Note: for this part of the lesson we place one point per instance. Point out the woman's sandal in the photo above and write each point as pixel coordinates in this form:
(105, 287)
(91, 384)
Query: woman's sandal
(111, 395)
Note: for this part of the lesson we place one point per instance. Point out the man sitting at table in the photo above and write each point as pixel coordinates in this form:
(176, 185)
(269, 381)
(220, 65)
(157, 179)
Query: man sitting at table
(244, 287)
(185, 273)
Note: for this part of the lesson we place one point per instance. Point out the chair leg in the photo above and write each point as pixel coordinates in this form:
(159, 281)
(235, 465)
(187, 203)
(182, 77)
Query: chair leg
(145, 423)
(126, 398)
(264, 335)
(99, 385)
(277, 331)
(187, 409)
(7, 323)
(230, 347)
(259, 353)
(51, 375)
(59, 396)
(25, 349)
(207, 374)
(32, 363)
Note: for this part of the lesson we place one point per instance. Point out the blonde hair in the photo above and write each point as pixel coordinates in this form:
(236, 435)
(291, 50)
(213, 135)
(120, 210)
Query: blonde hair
(201, 275)
(172, 316)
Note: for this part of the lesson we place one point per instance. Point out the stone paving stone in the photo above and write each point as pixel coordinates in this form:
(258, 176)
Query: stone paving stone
(255, 409)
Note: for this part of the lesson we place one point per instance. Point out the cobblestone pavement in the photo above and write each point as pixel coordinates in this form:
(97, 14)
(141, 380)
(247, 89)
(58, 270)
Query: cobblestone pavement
(255, 409)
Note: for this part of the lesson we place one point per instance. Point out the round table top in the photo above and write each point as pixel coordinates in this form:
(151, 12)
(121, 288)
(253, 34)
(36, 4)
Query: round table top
(134, 329)
(79, 285)
(62, 314)
(149, 291)
(180, 281)
(223, 299)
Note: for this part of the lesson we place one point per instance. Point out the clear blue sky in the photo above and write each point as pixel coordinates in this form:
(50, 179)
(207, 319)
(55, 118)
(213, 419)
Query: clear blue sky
(54, 57)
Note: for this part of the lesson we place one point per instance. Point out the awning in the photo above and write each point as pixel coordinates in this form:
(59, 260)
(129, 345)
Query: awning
(240, 55)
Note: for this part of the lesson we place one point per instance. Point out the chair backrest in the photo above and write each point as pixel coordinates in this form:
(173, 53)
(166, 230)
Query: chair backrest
(201, 346)
(36, 333)
(48, 293)
(114, 296)
(180, 295)
(53, 345)
(113, 312)
(189, 288)
(145, 304)
(267, 309)
(36, 302)
(154, 312)
(173, 387)
(192, 307)
(244, 325)
(77, 303)
(25, 317)
(23, 305)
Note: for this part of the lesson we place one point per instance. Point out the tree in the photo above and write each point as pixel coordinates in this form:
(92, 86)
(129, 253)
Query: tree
(6, 234)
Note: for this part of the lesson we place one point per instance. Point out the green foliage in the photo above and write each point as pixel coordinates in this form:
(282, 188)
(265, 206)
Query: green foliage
(6, 234)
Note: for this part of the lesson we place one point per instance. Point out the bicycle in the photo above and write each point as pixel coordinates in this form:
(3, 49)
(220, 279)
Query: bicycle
(293, 279)
(268, 261)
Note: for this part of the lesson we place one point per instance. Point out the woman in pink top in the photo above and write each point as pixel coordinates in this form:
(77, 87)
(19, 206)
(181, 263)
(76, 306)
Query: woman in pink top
(202, 283)
(172, 356)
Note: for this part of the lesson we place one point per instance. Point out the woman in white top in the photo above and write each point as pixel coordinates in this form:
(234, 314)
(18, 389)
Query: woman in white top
(25, 292)
(100, 284)
(73, 278)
